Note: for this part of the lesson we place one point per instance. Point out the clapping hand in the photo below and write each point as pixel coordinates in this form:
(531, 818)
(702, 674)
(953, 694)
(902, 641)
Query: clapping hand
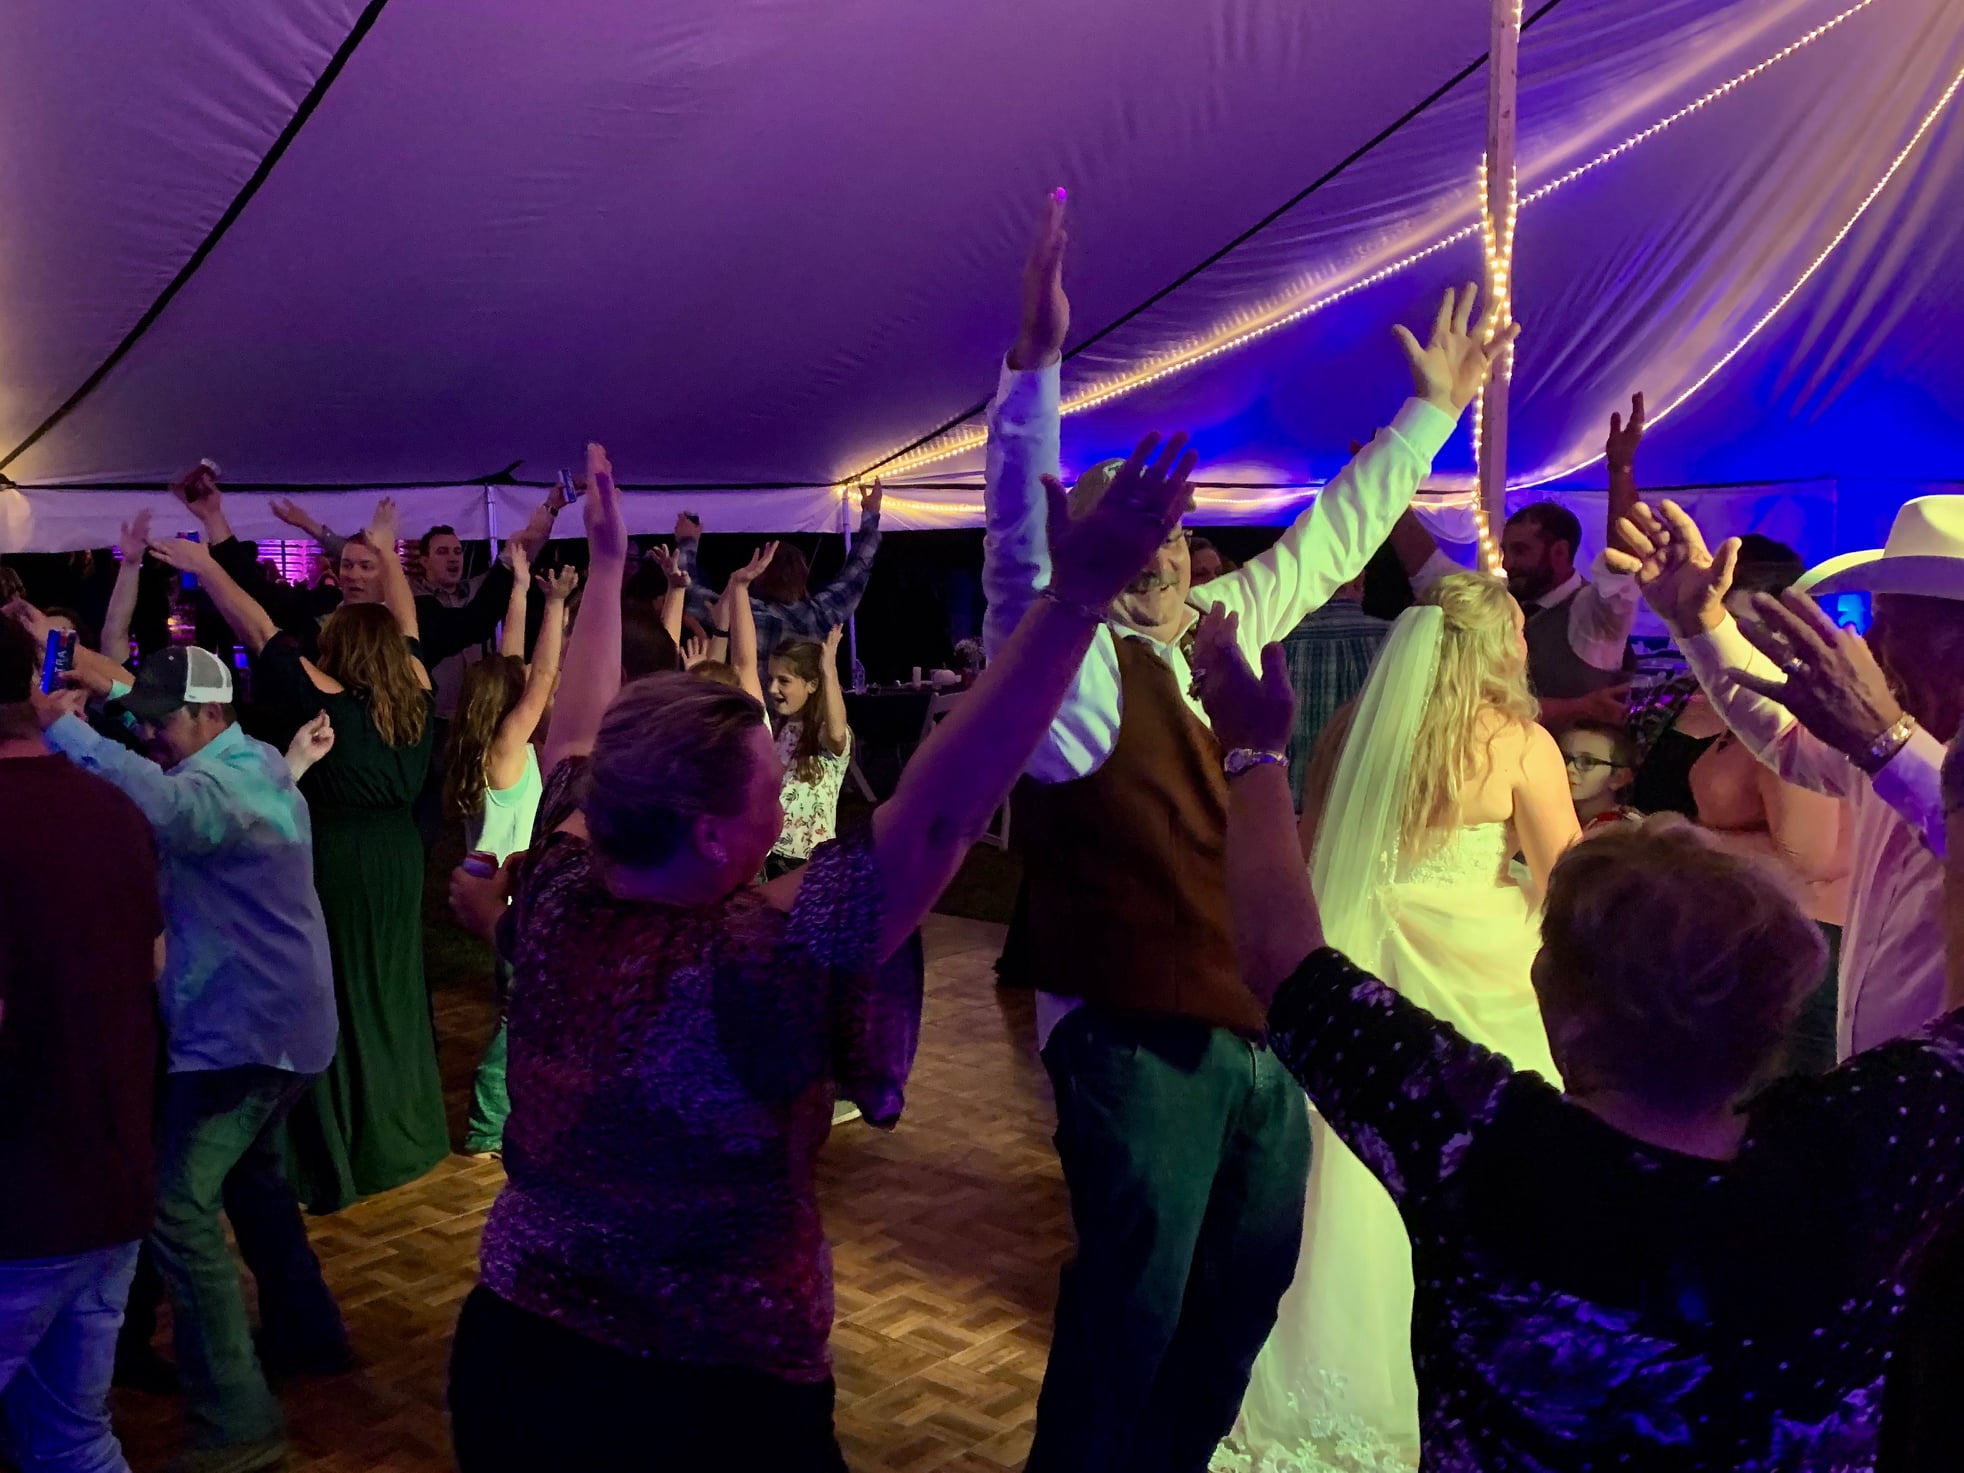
(1094, 557)
(751, 571)
(606, 524)
(1683, 581)
(1450, 369)
(1247, 714)
(134, 539)
(1833, 685)
(559, 584)
(311, 743)
(1621, 450)
(1046, 310)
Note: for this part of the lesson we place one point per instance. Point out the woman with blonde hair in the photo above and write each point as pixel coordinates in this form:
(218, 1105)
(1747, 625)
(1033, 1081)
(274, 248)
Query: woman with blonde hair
(1420, 798)
(375, 1119)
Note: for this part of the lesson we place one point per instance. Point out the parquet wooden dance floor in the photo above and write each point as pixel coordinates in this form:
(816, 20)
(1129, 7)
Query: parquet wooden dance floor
(947, 1237)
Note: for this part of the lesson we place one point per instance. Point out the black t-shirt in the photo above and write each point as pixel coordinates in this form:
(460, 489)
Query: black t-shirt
(80, 1043)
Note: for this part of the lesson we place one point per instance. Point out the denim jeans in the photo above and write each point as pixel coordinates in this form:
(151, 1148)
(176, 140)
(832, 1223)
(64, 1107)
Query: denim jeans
(220, 1147)
(1186, 1152)
(490, 1103)
(58, 1323)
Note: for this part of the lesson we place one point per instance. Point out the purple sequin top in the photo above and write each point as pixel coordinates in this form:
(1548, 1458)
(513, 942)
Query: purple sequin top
(1587, 1303)
(672, 1074)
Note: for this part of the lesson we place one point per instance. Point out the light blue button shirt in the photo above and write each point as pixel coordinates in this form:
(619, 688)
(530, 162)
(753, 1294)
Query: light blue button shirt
(247, 974)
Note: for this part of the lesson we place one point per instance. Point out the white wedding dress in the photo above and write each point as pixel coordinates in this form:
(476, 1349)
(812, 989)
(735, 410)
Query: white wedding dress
(1453, 931)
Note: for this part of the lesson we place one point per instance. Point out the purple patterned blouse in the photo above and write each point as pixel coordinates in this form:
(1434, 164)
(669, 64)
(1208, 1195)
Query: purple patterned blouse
(672, 1073)
(1587, 1302)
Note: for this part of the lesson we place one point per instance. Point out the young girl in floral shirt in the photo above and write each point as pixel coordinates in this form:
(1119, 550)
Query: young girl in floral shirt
(808, 714)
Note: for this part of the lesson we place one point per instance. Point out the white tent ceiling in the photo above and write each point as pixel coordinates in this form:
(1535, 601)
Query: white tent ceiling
(764, 244)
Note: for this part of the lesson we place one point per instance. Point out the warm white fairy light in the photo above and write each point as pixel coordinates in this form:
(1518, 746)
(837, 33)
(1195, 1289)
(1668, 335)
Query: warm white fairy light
(1895, 164)
(963, 441)
(1497, 244)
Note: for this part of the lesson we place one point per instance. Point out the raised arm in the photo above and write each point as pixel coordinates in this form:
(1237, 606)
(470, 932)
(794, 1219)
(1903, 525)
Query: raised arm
(92, 672)
(1276, 923)
(838, 600)
(1620, 455)
(514, 735)
(511, 634)
(1329, 544)
(678, 572)
(298, 518)
(135, 543)
(592, 674)
(191, 812)
(734, 619)
(1685, 583)
(965, 769)
(834, 734)
(532, 537)
(385, 531)
(250, 622)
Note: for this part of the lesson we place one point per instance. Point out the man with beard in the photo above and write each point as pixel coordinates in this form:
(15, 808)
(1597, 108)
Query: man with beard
(247, 998)
(1578, 629)
(1184, 1144)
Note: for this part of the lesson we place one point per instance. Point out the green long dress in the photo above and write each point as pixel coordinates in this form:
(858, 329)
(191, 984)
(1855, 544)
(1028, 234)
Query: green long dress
(375, 1119)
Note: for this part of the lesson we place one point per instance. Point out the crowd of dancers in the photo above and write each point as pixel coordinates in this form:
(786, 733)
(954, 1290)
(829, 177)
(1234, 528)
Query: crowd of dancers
(1423, 1098)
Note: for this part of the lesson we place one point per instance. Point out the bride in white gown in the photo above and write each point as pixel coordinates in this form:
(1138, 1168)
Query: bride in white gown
(1444, 776)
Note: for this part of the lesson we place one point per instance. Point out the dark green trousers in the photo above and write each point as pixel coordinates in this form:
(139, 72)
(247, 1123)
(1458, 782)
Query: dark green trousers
(1186, 1152)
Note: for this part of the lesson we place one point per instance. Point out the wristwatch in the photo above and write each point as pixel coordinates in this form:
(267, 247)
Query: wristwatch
(1247, 759)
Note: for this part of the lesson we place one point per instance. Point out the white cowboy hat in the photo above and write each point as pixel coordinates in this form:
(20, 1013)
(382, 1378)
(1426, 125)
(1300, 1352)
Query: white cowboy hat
(1924, 556)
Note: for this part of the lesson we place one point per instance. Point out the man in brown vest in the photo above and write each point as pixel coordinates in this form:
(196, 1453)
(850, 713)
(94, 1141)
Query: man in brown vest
(1185, 1145)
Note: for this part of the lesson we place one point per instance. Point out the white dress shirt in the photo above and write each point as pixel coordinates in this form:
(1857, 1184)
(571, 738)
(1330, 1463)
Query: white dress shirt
(1892, 957)
(1324, 549)
(1599, 626)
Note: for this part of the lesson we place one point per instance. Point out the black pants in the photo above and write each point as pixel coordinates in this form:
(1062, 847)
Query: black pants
(526, 1395)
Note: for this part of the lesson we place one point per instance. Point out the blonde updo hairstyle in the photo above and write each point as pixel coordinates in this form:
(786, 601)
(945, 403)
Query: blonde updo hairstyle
(1670, 970)
(671, 748)
(1481, 668)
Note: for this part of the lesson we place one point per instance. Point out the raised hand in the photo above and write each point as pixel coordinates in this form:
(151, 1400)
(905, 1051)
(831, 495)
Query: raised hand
(1833, 685)
(520, 560)
(291, 513)
(311, 743)
(832, 638)
(1094, 557)
(1246, 713)
(184, 555)
(751, 571)
(385, 524)
(198, 489)
(1046, 310)
(687, 524)
(1683, 581)
(559, 584)
(669, 560)
(134, 539)
(695, 651)
(1621, 449)
(606, 524)
(1450, 369)
(872, 499)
